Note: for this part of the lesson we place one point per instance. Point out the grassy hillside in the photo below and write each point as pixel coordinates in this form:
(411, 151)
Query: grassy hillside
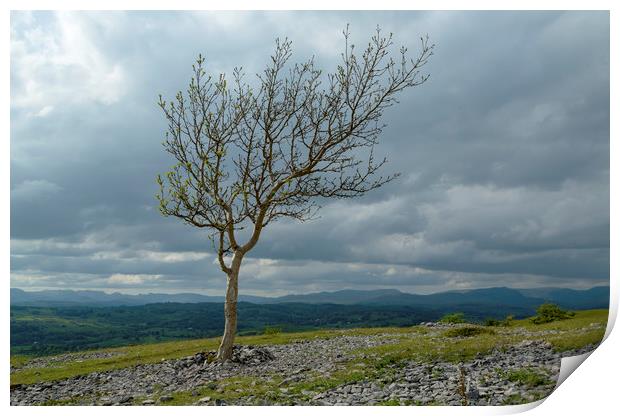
(53, 330)
(586, 328)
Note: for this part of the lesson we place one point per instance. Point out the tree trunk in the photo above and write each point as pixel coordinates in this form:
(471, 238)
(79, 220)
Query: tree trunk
(230, 310)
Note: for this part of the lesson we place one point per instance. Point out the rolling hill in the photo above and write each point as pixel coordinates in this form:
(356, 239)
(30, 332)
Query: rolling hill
(596, 297)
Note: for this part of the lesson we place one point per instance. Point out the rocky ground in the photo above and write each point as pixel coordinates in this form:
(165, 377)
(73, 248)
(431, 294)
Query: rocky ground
(526, 371)
(64, 358)
(479, 382)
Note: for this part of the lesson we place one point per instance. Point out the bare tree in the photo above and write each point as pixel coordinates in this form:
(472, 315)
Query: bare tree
(248, 156)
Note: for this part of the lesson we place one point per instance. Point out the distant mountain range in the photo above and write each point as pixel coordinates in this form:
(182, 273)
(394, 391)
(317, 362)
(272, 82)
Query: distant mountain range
(596, 297)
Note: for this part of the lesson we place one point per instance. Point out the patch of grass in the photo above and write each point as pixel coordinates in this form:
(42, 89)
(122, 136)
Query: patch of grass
(514, 399)
(413, 343)
(528, 377)
(580, 320)
(453, 318)
(230, 389)
(519, 399)
(571, 341)
(429, 348)
(549, 312)
(18, 361)
(437, 373)
(420, 403)
(387, 361)
(318, 383)
(138, 354)
(389, 402)
(60, 402)
(272, 330)
(585, 328)
(468, 331)
(153, 353)
(361, 367)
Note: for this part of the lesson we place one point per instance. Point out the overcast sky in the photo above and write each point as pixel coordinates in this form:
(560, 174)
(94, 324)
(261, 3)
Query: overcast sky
(504, 154)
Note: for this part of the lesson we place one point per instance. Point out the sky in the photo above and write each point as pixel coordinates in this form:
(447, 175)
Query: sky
(503, 154)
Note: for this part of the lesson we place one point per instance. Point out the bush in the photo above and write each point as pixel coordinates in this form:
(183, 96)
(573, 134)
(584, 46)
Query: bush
(467, 331)
(272, 330)
(496, 322)
(453, 318)
(549, 312)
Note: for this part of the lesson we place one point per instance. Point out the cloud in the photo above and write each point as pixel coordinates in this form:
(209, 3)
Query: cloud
(131, 279)
(504, 153)
(34, 189)
(147, 255)
(45, 111)
(62, 60)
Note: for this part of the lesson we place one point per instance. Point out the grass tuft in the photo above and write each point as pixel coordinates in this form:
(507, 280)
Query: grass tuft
(468, 331)
(529, 377)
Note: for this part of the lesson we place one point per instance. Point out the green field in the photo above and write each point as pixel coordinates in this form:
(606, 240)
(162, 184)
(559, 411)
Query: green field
(586, 328)
(54, 330)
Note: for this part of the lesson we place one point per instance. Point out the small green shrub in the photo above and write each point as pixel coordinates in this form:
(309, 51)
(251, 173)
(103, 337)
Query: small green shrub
(515, 399)
(453, 318)
(497, 322)
(549, 312)
(527, 377)
(272, 330)
(389, 402)
(468, 331)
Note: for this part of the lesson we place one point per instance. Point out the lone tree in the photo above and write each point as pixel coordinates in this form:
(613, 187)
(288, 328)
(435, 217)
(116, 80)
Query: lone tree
(249, 155)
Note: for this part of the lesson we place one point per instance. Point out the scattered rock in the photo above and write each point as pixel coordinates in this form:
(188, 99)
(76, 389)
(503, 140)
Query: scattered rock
(43, 362)
(473, 393)
(413, 383)
(125, 399)
(251, 355)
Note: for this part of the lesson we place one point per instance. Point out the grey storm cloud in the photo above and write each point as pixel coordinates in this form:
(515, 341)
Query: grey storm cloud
(504, 153)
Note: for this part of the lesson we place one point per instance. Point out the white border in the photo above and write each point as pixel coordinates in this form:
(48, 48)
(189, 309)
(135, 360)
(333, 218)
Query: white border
(591, 390)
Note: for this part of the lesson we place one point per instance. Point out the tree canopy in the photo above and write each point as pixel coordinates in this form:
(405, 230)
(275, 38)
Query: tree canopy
(248, 155)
